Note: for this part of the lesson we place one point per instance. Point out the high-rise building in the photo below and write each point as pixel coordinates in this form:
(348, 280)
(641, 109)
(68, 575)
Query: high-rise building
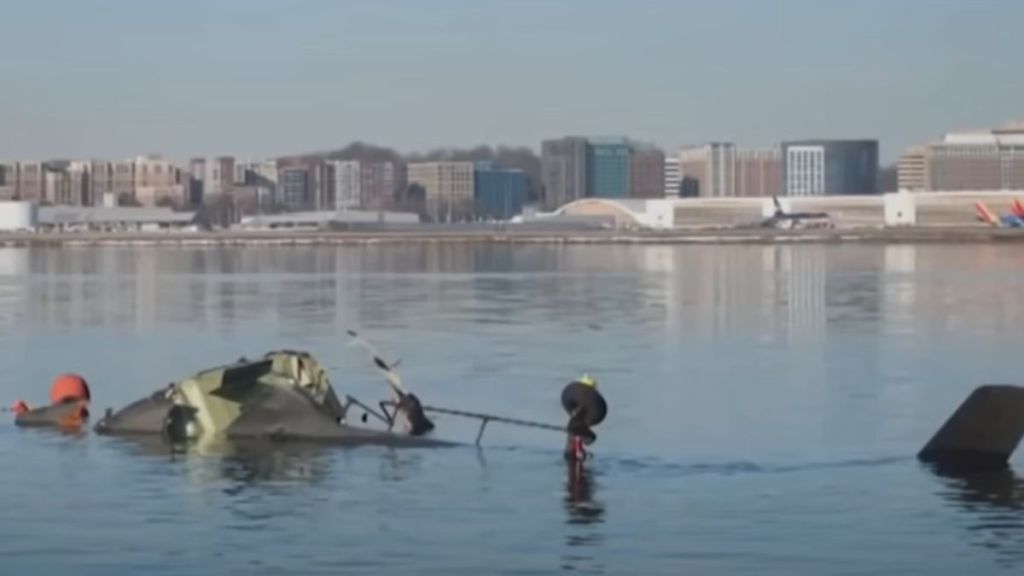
(608, 162)
(196, 176)
(346, 183)
(260, 180)
(101, 181)
(448, 189)
(30, 184)
(693, 167)
(66, 183)
(709, 170)
(123, 177)
(158, 181)
(7, 181)
(380, 183)
(721, 170)
(724, 170)
(211, 177)
(294, 188)
(758, 172)
(222, 176)
(264, 172)
(972, 161)
(362, 184)
(499, 194)
(323, 196)
(80, 191)
(647, 173)
(563, 171)
(241, 173)
(53, 186)
(830, 167)
(911, 172)
(673, 175)
(316, 185)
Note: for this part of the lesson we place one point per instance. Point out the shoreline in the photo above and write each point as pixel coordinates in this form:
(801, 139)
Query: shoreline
(973, 234)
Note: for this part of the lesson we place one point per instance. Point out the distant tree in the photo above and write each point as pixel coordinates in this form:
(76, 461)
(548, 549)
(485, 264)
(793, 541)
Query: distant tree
(365, 152)
(413, 199)
(524, 159)
(516, 157)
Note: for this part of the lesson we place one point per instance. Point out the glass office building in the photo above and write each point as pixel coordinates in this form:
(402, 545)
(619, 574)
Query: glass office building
(608, 169)
(499, 193)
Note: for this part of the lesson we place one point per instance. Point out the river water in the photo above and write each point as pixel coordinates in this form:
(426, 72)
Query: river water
(766, 403)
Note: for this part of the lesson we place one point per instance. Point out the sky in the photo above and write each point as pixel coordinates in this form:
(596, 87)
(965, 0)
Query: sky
(262, 78)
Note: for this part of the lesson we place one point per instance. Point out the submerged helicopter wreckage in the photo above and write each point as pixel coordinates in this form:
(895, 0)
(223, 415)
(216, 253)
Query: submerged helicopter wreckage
(286, 395)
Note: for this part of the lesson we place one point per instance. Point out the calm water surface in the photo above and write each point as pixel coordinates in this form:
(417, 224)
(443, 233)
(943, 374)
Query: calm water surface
(765, 407)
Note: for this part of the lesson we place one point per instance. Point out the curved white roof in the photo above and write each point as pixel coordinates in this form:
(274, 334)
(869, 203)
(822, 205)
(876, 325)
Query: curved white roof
(657, 213)
(634, 207)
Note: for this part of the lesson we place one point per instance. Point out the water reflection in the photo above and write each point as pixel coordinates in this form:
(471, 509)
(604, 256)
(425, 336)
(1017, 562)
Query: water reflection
(992, 503)
(579, 498)
(584, 514)
(711, 290)
(57, 432)
(398, 465)
(243, 463)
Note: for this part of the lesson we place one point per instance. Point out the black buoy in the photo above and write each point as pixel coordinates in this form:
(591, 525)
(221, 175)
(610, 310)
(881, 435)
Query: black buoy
(581, 399)
(586, 408)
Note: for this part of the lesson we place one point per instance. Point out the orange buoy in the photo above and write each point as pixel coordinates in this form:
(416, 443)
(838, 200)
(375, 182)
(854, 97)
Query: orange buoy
(68, 387)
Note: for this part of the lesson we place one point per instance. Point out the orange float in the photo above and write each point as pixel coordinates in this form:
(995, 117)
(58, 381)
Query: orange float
(69, 387)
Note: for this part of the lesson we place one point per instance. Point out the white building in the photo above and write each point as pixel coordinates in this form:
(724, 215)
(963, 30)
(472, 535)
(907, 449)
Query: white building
(673, 176)
(346, 183)
(805, 170)
(121, 218)
(18, 216)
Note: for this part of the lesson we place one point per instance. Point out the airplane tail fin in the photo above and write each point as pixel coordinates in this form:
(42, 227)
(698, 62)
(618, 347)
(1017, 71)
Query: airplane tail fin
(1017, 207)
(983, 214)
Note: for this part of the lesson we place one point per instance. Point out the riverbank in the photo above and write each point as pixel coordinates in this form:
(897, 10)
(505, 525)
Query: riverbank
(726, 236)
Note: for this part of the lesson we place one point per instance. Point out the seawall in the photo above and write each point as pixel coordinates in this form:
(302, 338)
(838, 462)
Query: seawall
(727, 236)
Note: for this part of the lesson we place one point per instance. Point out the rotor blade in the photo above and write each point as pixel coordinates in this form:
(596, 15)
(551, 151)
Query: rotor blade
(389, 373)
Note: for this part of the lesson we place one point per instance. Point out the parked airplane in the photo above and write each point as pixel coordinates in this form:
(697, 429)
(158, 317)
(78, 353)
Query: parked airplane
(1015, 219)
(783, 219)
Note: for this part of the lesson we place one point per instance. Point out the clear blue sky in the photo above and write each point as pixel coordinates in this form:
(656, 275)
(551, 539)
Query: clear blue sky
(113, 78)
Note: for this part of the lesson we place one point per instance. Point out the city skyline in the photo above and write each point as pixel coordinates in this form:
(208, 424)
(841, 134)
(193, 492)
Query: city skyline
(111, 79)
